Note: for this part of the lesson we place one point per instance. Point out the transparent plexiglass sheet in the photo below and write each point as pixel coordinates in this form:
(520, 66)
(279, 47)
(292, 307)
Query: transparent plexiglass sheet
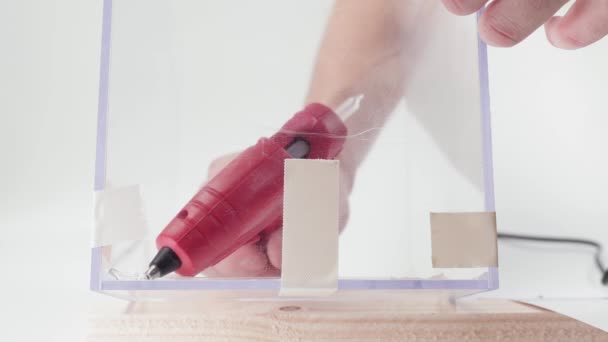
(185, 82)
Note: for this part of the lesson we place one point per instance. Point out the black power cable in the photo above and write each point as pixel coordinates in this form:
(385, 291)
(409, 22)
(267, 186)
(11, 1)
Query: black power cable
(586, 242)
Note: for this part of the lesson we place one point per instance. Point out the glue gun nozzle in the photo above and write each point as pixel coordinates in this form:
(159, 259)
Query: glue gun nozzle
(165, 262)
(152, 272)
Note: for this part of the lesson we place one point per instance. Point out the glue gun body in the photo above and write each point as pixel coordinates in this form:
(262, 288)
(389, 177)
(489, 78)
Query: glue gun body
(245, 198)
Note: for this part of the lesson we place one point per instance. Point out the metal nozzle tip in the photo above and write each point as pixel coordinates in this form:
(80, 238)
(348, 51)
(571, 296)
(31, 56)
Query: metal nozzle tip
(152, 272)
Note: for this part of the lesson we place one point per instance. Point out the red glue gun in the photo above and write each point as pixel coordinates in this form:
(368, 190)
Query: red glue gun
(246, 197)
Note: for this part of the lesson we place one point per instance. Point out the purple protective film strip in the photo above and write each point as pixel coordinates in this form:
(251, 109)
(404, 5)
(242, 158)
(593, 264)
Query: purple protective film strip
(97, 284)
(102, 114)
(275, 284)
(486, 125)
(95, 278)
(486, 133)
(102, 106)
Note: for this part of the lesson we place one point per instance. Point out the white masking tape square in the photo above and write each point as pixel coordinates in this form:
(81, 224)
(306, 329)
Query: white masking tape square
(310, 227)
(119, 216)
(461, 240)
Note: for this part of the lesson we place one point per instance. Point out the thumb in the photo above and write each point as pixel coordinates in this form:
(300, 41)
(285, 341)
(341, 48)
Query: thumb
(218, 164)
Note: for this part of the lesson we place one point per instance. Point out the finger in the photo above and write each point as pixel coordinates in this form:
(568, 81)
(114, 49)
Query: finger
(247, 261)
(270, 271)
(274, 248)
(585, 23)
(464, 7)
(218, 164)
(507, 22)
(345, 189)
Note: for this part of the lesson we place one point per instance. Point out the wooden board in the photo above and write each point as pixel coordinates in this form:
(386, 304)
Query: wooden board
(418, 318)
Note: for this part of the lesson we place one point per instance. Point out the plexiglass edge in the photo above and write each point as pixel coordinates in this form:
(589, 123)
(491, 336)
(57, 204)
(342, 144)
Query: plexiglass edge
(275, 284)
(102, 112)
(486, 133)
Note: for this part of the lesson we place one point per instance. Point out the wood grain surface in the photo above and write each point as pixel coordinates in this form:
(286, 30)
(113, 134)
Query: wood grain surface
(415, 317)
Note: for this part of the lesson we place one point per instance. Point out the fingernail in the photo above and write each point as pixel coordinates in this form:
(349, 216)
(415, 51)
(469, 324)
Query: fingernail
(552, 30)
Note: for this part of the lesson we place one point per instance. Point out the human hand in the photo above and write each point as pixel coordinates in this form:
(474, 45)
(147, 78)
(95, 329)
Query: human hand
(263, 257)
(505, 23)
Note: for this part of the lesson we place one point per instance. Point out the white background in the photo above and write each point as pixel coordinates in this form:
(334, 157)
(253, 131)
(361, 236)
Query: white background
(549, 115)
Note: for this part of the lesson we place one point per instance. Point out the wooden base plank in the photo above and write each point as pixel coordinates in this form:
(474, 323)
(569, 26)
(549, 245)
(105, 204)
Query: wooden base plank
(419, 318)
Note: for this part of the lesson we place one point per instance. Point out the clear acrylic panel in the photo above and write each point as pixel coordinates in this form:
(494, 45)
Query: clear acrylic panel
(185, 82)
